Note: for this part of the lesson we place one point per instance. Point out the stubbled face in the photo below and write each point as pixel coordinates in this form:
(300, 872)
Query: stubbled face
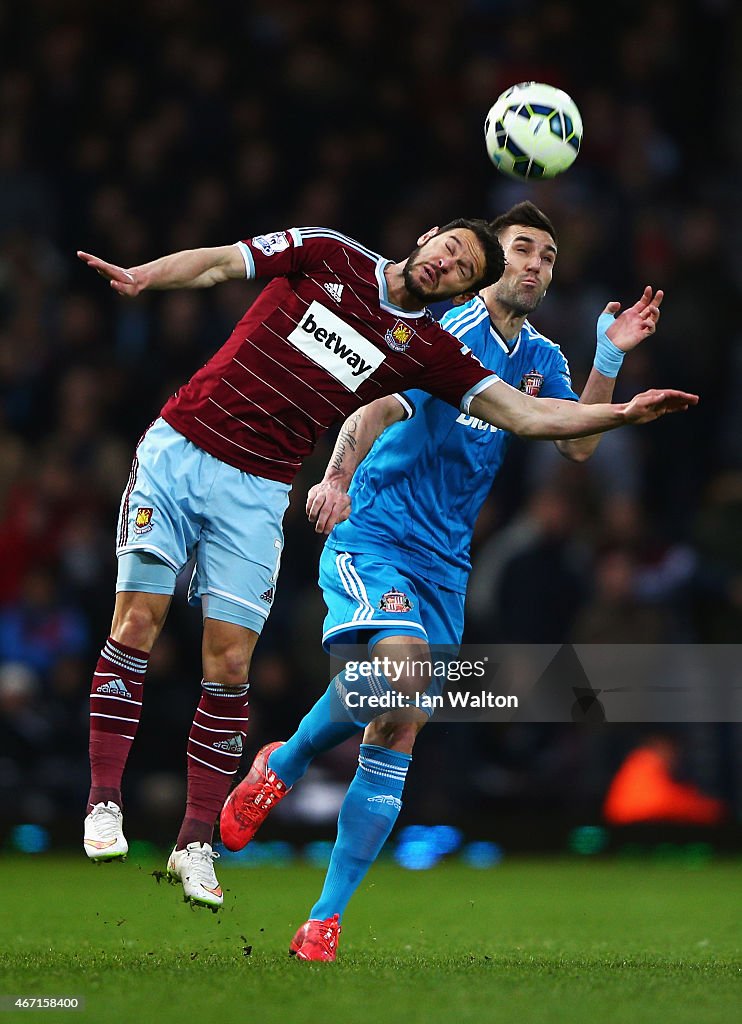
(530, 254)
(445, 265)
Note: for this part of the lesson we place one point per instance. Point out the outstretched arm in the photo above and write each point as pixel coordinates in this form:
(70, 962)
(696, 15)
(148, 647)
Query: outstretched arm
(554, 418)
(626, 331)
(328, 502)
(192, 268)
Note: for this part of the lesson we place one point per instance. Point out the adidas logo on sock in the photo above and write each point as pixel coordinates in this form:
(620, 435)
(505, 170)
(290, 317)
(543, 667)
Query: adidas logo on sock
(115, 688)
(268, 595)
(388, 799)
(233, 745)
(335, 291)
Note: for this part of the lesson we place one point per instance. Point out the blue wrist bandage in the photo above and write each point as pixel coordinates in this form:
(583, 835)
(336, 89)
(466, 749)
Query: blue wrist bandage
(608, 358)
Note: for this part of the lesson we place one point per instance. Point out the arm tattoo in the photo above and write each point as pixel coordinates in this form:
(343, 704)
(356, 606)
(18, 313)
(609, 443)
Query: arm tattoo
(346, 439)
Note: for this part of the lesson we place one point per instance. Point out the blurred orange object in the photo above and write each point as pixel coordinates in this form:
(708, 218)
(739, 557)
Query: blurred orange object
(644, 790)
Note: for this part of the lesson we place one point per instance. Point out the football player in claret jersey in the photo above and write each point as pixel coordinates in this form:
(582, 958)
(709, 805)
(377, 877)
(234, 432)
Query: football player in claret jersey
(336, 327)
(394, 573)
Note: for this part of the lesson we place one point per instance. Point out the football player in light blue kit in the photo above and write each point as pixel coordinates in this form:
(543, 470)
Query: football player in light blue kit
(394, 570)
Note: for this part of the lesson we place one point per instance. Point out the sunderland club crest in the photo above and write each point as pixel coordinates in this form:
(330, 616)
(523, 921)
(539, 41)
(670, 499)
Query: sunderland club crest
(395, 601)
(531, 383)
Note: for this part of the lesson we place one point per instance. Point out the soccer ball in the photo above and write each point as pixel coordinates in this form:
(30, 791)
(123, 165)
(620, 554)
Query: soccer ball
(533, 131)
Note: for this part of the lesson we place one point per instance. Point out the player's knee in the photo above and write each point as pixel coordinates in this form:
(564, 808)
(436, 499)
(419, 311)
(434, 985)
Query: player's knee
(137, 625)
(229, 665)
(394, 735)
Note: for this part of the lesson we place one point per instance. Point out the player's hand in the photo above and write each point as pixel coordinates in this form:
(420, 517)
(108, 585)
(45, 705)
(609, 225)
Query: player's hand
(650, 405)
(636, 323)
(327, 504)
(125, 282)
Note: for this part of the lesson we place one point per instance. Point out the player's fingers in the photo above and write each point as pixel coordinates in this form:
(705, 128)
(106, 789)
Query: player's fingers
(657, 298)
(676, 400)
(324, 513)
(117, 274)
(612, 307)
(327, 518)
(641, 304)
(339, 512)
(330, 516)
(92, 261)
(314, 504)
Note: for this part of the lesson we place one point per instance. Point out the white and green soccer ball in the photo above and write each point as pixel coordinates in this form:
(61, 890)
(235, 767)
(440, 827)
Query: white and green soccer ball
(533, 131)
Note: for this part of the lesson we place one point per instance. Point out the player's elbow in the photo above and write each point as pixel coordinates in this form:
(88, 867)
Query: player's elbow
(572, 451)
(509, 416)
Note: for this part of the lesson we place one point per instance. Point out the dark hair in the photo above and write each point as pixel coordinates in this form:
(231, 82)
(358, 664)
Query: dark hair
(494, 257)
(525, 213)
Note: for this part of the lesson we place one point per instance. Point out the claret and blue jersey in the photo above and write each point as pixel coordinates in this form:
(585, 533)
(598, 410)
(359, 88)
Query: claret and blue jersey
(417, 494)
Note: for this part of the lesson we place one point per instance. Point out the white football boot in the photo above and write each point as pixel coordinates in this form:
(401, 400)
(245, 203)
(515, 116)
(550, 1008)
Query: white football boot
(104, 833)
(194, 869)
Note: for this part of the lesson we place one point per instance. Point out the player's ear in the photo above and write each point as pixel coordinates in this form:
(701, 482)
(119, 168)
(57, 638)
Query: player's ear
(428, 235)
(461, 300)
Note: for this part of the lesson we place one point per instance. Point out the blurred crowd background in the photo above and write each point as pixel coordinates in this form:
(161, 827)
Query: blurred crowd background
(135, 130)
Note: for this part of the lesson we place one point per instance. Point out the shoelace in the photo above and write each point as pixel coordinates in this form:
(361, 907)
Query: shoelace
(201, 867)
(270, 791)
(328, 938)
(105, 821)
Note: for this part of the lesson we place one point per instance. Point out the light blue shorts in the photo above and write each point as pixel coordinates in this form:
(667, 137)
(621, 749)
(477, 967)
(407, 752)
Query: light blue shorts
(366, 593)
(368, 597)
(182, 502)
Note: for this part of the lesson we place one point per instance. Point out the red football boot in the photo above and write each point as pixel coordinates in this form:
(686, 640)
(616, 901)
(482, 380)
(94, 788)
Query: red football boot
(317, 940)
(250, 803)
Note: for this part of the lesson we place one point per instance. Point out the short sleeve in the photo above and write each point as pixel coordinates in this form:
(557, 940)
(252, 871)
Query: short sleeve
(407, 400)
(284, 252)
(558, 380)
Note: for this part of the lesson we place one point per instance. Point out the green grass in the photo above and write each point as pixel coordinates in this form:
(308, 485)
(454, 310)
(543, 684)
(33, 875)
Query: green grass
(538, 942)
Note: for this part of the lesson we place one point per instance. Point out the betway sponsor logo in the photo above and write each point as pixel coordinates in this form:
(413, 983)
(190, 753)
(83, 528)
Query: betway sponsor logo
(474, 423)
(334, 345)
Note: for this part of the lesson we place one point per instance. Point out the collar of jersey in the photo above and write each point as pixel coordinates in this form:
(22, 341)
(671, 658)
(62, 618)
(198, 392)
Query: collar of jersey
(384, 295)
(510, 349)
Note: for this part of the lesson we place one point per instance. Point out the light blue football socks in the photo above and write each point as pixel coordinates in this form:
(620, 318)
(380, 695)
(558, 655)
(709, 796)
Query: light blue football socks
(324, 726)
(329, 722)
(368, 814)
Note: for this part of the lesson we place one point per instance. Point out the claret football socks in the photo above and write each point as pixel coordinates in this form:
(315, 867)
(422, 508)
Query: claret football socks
(115, 708)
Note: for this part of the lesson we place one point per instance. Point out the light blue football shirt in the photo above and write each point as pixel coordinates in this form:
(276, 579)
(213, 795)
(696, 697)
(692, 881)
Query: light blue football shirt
(417, 494)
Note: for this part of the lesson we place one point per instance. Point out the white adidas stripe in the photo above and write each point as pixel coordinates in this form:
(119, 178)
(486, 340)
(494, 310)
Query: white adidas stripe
(206, 763)
(206, 746)
(364, 609)
(317, 232)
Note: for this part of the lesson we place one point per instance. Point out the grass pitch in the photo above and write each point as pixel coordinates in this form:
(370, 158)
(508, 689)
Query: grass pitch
(538, 942)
